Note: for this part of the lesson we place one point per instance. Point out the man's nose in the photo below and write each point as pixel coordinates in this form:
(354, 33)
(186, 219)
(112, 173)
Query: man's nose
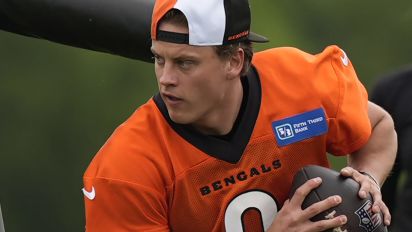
(168, 76)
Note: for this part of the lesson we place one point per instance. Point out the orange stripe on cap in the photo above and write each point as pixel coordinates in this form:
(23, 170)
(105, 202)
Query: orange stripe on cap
(161, 7)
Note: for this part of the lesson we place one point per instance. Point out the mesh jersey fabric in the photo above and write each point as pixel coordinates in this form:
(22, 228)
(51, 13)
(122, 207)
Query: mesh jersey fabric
(148, 178)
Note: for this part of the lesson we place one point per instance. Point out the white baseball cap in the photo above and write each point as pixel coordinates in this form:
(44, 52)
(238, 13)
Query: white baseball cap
(211, 22)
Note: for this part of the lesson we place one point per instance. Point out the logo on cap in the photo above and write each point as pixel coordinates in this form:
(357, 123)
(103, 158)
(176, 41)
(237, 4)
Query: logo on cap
(237, 36)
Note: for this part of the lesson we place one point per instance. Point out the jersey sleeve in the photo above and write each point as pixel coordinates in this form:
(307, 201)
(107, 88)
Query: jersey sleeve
(349, 126)
(126, 184)
(121, 206)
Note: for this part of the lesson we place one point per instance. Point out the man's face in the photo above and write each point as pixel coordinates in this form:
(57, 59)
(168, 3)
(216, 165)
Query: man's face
(193, 81)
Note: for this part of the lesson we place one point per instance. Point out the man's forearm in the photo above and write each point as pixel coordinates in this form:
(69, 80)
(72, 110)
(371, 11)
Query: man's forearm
(378, 155)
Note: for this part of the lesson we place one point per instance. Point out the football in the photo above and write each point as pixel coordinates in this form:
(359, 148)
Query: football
(358, 211)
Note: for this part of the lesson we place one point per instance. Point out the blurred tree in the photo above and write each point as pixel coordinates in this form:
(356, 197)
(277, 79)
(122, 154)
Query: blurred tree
(376, 35)
(59, 104)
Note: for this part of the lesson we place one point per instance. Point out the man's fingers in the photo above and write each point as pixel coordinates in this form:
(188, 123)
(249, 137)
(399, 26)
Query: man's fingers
(332, 221)
(377, 199)
(346, 171)
(380, 206)
(350, 172)
(364, 181)
(369, 186)
(365, 188)
(321, 206)
(386, 214)
(323, 225)
(301, 192)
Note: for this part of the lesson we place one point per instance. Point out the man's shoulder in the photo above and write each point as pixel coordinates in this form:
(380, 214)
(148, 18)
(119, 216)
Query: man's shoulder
(302, 80)
(298, 65)
(291, 51)
(143, 129)
(132, 145)
(292, 54)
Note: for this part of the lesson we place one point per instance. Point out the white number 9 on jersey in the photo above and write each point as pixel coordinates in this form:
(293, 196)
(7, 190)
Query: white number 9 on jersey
(257, 200)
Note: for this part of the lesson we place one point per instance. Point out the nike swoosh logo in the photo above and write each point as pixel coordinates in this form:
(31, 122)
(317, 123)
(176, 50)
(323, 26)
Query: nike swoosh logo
(90, 195)
(344, 58)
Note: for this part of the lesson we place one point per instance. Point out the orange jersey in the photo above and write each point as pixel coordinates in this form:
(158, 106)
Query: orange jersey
(155, 175)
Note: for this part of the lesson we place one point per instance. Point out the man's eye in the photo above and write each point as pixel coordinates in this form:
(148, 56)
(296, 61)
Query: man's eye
(158, 59)
(185, 64)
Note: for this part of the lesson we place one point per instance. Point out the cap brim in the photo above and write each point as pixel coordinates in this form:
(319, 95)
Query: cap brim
(253, 37)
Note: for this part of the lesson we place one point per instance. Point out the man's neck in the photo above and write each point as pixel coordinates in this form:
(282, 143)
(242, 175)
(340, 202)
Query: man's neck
(222, 122)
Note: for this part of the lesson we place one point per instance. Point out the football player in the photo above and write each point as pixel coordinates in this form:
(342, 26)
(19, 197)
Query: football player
(217, 148)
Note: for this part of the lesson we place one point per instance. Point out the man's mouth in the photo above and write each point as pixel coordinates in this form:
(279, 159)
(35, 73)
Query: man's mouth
(171, 98)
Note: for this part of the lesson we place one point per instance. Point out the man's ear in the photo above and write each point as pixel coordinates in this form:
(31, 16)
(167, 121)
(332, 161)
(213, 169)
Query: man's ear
(235, 64)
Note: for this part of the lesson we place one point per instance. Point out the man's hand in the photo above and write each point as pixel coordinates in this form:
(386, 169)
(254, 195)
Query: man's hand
(292, 218)
(368, 185)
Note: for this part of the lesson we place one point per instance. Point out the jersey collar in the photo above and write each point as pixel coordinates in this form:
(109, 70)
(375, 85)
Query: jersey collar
(232, 148)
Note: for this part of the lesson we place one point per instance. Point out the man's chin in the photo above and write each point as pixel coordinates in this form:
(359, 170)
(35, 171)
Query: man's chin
(179, 118)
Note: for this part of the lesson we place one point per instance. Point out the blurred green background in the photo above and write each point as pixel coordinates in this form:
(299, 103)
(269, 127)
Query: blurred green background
(59, 104)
